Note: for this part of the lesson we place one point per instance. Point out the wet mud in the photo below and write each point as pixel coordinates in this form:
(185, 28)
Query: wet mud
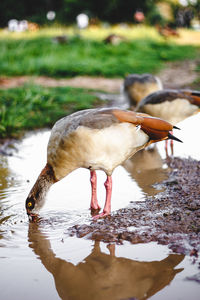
(172, 217)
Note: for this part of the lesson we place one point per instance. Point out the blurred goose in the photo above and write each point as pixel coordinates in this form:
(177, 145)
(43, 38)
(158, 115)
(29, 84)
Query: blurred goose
(136, 87)
(167, 31)
(96, 139)
(114, 39)
(171, 105)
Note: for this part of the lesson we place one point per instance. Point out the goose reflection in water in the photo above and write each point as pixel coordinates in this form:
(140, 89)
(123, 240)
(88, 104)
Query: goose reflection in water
(146, 168)
(103, 276)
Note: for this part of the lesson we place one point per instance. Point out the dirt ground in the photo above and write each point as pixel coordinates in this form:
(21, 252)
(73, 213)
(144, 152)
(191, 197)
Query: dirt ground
(174, 75)
(180, 74)
(172, 217)
(104, 84)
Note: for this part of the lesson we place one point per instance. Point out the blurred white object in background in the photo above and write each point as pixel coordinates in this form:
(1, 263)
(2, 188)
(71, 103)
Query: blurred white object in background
(82, 21)
(12, 25)
(22, 25)
(51, 15)
(17, 26)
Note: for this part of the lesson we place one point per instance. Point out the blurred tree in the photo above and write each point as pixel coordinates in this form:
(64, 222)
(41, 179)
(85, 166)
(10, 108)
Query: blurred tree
(154, 16)
(196, 7)
(185, 11)
(112, 11)
(34, 11)
(106, 10)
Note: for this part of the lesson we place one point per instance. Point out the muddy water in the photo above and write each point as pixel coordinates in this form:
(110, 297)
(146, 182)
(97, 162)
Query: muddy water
(41, 261)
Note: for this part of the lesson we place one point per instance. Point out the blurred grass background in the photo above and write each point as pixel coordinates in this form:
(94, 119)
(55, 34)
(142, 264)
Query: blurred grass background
(84, 53)
(33, 106)
(142, 50)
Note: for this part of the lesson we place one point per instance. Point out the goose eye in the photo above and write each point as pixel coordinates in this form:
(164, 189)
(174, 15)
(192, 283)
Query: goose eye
(30, 203)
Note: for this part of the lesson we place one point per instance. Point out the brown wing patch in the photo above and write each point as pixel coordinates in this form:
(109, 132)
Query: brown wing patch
(196, 100)
(154, 134)
(142, 119)
(156, 123)
(127, 116)
(156, 129)
(192, 96)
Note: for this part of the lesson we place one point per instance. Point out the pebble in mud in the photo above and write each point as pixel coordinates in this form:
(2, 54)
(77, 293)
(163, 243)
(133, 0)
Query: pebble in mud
(172, 217)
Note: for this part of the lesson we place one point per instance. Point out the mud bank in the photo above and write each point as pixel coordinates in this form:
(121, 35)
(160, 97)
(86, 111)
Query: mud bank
(170, 76)
(172, 217)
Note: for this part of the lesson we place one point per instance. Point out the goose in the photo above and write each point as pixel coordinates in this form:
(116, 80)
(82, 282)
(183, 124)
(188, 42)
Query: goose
(170, 105)
(96, 139)
(136, 87)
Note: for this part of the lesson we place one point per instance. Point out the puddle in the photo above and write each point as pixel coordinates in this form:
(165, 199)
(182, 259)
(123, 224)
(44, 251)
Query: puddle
(41, 260)
(190, 137)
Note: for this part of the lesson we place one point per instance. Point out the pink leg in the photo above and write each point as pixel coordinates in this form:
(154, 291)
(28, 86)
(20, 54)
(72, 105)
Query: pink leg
(107, 207)
(93, 179)
(172, 144)
(166, 148)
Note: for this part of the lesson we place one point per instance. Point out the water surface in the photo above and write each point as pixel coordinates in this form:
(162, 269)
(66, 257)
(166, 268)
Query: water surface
(41, 261)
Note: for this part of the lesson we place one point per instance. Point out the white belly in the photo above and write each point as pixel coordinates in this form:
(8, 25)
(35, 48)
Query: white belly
(97, 148)
(172, 112)
(113, 145)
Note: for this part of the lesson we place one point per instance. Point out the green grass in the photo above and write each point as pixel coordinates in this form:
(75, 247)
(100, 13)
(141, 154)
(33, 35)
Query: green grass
(32, 106)
(196, 83)
(41, 56)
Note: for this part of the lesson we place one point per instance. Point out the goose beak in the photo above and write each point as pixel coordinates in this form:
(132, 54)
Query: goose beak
(32, 217)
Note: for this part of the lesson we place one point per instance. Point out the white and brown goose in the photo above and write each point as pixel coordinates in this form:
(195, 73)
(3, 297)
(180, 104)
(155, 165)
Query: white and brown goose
(138, 86)
(171, 105)
(96, 139)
